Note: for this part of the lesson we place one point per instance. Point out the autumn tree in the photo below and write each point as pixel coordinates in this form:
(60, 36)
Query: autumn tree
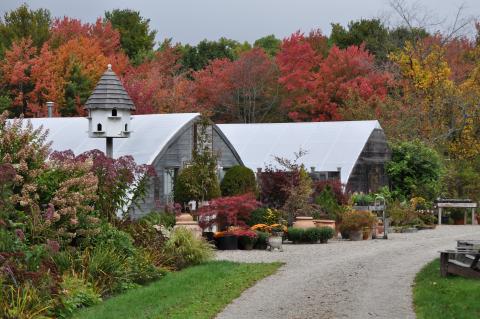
(16, 77)
(23, 23)
(244, 90)
(158, 86)
(317, 87)
(136, 37)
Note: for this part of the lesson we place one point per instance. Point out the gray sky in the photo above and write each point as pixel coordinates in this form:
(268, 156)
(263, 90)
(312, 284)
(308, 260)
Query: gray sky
(190, 21)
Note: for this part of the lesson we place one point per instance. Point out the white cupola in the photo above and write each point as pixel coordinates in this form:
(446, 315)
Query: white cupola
(109, 108)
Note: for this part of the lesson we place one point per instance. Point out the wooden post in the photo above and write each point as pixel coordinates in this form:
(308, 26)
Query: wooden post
(110, 147)
(443, 264)
(439, 215)
(465, 217)
(474, 220)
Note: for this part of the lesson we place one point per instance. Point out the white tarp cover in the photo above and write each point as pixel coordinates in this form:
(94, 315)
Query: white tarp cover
(150, 134)
(329, 145)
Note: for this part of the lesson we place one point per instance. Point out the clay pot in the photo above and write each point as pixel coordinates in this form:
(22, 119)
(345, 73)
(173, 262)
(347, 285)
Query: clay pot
(184, 217)
(459, 221)
(355, 235)
(303, 222)
(367, 233)
(324, 223)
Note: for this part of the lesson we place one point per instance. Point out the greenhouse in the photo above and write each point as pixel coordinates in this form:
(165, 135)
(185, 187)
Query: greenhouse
(353, 151)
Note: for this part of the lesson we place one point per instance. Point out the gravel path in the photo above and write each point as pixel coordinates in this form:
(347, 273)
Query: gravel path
(343, 279)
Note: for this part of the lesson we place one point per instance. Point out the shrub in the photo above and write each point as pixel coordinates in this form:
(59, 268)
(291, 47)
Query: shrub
(312, 235)
(188, 187)
(227, 211)
(414, 170)
(257, 216)
(160, 218)
(275, 185)
(357, 220)
(75, 293)
(296, 235)
(238, 180)
(183, 249)
(114, 237)
(332, 186)
(402, 214)
(326, 233)
(264, 216)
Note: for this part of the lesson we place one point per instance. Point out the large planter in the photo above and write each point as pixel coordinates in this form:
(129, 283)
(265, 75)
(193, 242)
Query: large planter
(355, 235)
(303, 222)
(246, 243)
(459, 221)
(186, 221)
(275, 242)
(325, 223)
(227, 242)
(367, 233)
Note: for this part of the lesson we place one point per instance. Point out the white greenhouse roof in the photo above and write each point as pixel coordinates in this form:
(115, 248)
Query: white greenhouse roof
(150, 134)
(329, 145)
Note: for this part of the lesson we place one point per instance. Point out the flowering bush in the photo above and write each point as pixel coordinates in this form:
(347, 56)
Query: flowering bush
(261, 227)
(227, 211)
(121, 182)
(357, 220)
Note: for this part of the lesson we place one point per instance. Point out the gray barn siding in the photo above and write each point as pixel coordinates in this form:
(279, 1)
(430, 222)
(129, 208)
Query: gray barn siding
(368, 174)
(175, 155)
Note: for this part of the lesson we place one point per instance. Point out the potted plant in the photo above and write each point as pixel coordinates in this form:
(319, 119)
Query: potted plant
(326, 233)
(458, 217)
(354, 222)
(262, 240)
(226, 240)
(246, 239)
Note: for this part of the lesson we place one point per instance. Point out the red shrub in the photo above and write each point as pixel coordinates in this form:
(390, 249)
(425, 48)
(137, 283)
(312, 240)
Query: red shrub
(227, 211)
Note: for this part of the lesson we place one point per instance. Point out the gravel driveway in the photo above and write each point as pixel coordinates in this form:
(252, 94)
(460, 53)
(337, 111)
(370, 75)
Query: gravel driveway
(343, 279)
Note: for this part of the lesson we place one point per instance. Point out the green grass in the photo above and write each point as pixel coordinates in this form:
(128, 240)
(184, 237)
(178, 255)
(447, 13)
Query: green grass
(452, 297)
(196, 292)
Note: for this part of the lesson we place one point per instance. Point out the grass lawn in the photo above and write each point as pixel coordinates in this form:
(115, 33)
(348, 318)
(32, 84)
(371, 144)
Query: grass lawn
(452, 297)
(196, 292)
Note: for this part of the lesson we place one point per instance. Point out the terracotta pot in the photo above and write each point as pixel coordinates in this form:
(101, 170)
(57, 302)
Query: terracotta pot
(478, 219)
(459, 221)
(355, 235)
(303, 222)
(324, 223)
(367, 233)
(186, 221)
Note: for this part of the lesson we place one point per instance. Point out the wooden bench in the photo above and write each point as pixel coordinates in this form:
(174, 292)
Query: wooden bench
(462, 262)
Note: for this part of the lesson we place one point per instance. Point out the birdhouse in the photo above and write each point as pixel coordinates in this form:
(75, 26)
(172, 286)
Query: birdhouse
(109, 108)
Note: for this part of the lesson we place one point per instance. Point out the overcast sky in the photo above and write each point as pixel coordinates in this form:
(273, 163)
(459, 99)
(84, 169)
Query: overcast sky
(190, 21)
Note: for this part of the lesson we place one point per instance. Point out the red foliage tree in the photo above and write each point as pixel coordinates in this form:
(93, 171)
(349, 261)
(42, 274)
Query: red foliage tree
(227, 211)
(244, 90)
(15, 70)
(317, 87)
(157, 87)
